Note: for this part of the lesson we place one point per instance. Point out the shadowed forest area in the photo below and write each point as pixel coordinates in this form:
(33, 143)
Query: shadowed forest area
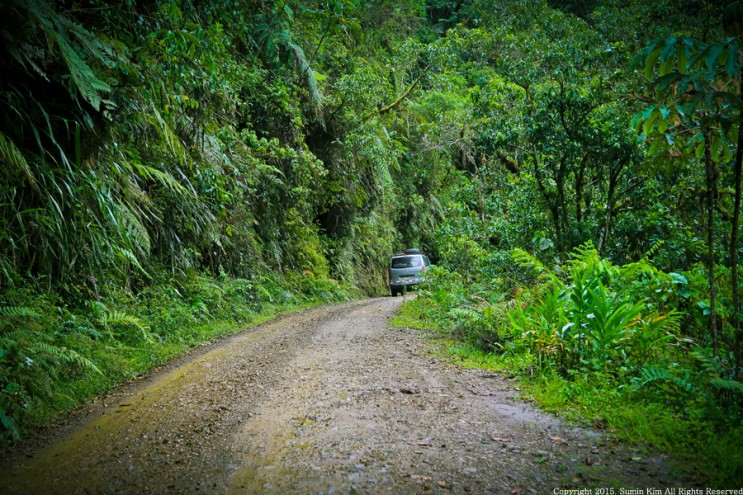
(175, 170)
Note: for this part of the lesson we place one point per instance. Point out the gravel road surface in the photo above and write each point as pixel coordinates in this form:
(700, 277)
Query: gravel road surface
(328, 400)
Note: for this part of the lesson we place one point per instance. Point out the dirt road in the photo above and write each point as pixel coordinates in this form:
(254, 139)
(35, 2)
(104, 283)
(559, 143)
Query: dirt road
(330, 400)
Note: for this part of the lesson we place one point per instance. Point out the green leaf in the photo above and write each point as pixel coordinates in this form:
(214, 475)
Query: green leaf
(666, 58)
(669, 49)
(698, 56)
(650, 63)
(713, 56)
(636, 122)
(716, 148)
(12, 157)
(648, 125)
(9, 425)
(732, 68)
(545, 244)
(668, 80)
(640, 118)
(685, 53)
(699, 151)
(662, 125)
(642, 55)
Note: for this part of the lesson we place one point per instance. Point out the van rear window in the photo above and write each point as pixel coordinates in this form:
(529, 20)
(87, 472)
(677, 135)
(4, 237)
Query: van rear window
(406, 262)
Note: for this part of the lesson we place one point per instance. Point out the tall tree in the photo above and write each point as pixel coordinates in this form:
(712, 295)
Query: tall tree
(698, 105)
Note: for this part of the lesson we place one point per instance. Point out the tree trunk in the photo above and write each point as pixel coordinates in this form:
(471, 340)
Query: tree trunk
(738, 166)
(710, 173)
(580, 176)
(561, 207)
(608, 215)
(552, 204)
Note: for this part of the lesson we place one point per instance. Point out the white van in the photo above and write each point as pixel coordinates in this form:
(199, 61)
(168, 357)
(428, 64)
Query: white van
(407, 269)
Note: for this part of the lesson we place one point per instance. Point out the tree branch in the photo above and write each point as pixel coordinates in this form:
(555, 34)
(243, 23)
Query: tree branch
(392, 105)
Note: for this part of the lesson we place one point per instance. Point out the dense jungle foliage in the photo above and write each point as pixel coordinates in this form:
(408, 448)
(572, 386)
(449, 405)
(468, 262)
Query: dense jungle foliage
(173, 170)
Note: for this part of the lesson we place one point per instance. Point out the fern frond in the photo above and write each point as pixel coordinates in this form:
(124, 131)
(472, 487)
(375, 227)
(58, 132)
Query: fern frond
(19, 311)
(680, 384)
(90, 332)
(584, 251)
(17, 335)
(72, 39)
(305, 71)
(464, 313)
(652, 251)
(530, 261)
(709, 363)
(132, 258)
(121, 319)
(136, 233)
(49, 349)
(81, 361)
(527, 260)
(67, 355)
(730, 385)
(169, 135)
(97, 308)
(124, 319)
(654, 374)
(9, 426)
